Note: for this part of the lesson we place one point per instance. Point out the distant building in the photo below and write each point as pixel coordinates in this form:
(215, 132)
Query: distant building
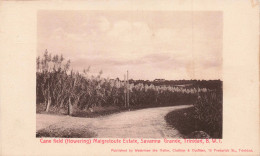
(159, 80)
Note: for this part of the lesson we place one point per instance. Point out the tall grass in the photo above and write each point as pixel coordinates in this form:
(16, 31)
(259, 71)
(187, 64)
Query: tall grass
(209, 110)
(204, 118)
(60, 88)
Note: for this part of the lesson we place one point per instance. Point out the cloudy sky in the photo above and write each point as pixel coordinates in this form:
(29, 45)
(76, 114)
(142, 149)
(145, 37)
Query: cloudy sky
(150, 44)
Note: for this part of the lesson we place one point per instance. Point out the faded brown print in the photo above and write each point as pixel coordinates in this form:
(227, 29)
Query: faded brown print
(129, 74)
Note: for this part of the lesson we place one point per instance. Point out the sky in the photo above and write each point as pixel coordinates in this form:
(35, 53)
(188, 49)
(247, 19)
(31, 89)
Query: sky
(170, 45)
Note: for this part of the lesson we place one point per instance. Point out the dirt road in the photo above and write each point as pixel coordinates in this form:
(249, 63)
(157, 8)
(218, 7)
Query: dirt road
(143, 123)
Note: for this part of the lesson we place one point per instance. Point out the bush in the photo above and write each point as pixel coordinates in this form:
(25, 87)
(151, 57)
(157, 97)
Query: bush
(208, 109)
(206, 116)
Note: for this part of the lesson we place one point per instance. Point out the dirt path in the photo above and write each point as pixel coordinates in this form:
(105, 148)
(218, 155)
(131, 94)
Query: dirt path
(144, 123)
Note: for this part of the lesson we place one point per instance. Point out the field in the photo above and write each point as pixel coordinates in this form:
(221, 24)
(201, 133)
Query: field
(62, 91)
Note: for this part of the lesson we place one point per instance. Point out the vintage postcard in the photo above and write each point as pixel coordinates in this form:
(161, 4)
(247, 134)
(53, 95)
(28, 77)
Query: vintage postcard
(129, 77)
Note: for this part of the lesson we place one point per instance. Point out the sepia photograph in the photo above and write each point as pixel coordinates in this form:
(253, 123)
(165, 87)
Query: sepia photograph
(129, 77)
(129, 74)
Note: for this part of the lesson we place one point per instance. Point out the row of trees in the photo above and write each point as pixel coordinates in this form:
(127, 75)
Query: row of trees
(62, 88)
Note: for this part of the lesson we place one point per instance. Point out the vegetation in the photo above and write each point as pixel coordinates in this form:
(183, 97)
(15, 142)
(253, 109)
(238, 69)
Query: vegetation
(61, 90)
(61, 132)
(206, 116)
